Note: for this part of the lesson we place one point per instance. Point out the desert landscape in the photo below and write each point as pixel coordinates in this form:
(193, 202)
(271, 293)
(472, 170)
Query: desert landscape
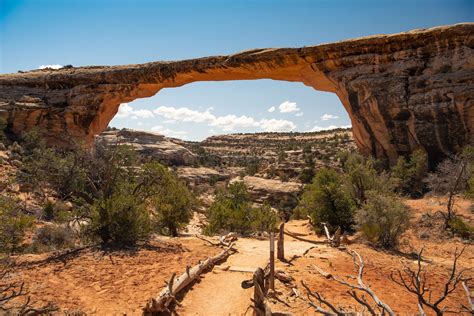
(372, 219)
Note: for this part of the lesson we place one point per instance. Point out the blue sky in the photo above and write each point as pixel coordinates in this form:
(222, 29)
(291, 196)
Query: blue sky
(110, 32)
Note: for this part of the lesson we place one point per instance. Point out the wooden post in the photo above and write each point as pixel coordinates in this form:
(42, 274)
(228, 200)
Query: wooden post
(261, 306)
(259, 292)
(271, 278)
(281, 243)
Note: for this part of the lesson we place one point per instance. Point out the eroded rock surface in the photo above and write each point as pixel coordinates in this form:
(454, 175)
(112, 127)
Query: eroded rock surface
(277, 193)
(404, 91)
(201, 176)
(151, 146)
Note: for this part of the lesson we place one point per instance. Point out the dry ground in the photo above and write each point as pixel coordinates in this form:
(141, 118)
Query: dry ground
(112, 283)
(109, 283)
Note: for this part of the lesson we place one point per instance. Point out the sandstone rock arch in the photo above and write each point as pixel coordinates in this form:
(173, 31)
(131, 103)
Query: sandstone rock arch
(402, 92)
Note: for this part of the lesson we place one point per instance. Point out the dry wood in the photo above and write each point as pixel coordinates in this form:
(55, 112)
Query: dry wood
(281, 243)
(261, 306)
(334, 240)
(360, 286)
(224, 241)
(416, 282)
(291, 234)
(469, 297)
(175, 285)
(271, 278)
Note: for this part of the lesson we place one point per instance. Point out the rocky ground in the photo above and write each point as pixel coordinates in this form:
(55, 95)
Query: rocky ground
(268, 163)
(105, 282)
(99, 282)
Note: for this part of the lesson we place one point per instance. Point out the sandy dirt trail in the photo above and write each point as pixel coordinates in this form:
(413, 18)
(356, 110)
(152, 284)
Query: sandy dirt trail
(219, 292)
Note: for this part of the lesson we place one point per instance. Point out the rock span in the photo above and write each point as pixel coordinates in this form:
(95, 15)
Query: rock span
(402, 92)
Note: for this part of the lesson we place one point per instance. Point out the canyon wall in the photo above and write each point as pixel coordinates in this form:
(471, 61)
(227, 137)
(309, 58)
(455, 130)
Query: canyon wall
(402, 92)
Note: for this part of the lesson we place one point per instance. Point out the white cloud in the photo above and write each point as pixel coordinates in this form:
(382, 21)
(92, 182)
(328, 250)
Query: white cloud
(126, 110)
(287, 107)
(299, 114)
(227, 123)
(231, 122)
(56, 66)
(184, 114)
(167, 132)
(271, 109)
(143, 114)
(327, 117)
(327, 128)
(274, 125)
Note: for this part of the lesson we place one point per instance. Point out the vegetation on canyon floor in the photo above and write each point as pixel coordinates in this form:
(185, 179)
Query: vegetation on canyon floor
(113, 197)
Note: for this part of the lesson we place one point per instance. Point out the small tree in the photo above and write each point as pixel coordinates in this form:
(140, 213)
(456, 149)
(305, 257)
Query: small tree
(452, 177)
(382, 219)
(231, 211)
(409, 174)
(120, 219)
(362, 176)
(264, 219)
(13, 224)
(172, 202)
(325, 200)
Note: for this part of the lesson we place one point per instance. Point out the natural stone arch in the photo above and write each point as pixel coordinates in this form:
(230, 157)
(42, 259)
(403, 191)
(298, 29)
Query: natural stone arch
(402, 92)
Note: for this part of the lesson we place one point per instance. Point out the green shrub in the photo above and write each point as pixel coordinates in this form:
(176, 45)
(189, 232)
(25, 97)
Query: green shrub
(264, 219)
(55, 211)
(13, 225)
(231, 211)
(119, 220)
(325, 200)
(460, 227)
(53, 237)
(408, 174)
(172, 206)
(361, 176)
(382, 219)
(306, 175)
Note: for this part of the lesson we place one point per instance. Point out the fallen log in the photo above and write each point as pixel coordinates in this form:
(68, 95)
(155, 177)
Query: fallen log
(316, 242)
(175, 285)
(224, 241)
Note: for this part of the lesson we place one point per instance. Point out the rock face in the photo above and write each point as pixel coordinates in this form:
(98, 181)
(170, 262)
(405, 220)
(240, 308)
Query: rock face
(404, 91)
(201, 176)
(277, 193)
(151, 146)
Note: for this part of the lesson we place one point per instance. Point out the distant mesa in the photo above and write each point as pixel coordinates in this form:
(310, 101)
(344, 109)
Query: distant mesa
(402, 92)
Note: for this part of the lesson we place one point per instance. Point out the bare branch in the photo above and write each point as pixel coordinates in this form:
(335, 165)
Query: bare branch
(415, 282)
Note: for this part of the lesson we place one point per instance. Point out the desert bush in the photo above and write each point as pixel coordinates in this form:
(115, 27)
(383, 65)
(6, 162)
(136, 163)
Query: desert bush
(252, 167)
(361, 176)
(3, 126)
(452, 177)
(382, 219)
(120, 219)
(53, 237)
(306, 175)
(172, 205)
(326, 201)
(13, 225)
(460, 227)
(230, 211)
(55, 211)
(409, 174)
(264, 219)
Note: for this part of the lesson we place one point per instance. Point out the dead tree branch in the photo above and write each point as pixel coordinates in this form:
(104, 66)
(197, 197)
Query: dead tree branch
(416, 282)
(360, 286)
(14, 298)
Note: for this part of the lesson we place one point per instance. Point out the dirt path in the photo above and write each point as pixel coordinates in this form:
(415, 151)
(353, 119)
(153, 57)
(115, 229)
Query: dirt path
(219, 292)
